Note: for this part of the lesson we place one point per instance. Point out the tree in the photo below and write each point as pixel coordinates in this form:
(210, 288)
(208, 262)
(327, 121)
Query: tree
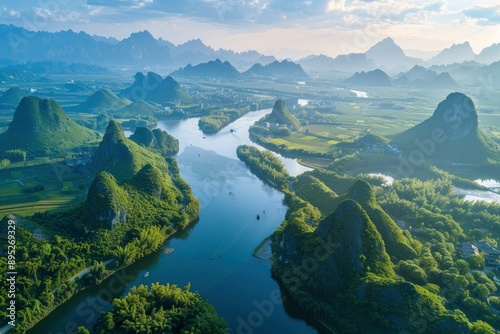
(481, 327)
(462, 266)
(82, 330)
(476, 261)
(481, 292)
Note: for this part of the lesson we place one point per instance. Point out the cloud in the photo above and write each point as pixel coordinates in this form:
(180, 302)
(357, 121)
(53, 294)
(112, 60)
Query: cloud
(44, 14)
(10, 13)
(230, 12)
(484, 15)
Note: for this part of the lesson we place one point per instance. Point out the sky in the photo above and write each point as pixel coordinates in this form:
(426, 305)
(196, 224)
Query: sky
(283, 27)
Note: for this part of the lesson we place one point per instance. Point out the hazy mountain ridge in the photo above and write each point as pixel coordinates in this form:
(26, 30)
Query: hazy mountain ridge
(387, 54)
(278, 69)
(215, 69)
(377, 78)
(139, 49)
(422, 77)
(457, 53)
(351, 62)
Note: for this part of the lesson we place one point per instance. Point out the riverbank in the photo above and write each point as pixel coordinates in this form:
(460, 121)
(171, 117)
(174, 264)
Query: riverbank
(215, 255)
(77, 279)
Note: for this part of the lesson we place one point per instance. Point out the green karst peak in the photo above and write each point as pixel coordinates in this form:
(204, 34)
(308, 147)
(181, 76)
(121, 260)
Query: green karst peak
(41, 127)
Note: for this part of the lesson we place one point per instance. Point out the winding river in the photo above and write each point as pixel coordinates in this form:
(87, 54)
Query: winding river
(214, 255)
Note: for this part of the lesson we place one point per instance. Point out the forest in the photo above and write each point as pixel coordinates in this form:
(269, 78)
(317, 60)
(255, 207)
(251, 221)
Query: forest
(434, 221)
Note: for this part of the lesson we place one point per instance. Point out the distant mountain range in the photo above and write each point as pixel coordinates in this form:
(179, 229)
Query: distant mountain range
(418, 76)
(68, 52)
(389, 57)
(421, 77)
(140, 49)
(348, 63)
(225, 70)
(457, 53)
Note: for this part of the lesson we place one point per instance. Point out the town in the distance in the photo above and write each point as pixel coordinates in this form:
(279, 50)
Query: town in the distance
(149, 187)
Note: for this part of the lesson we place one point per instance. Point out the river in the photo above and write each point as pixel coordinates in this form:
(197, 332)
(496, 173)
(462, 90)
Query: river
(214, 254)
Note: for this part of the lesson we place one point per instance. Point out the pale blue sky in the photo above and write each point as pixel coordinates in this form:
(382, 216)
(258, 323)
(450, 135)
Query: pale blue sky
(312, 26)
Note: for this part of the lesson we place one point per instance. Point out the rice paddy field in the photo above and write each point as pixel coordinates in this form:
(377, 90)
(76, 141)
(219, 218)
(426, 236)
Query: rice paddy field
(62, 188)
(385, 112)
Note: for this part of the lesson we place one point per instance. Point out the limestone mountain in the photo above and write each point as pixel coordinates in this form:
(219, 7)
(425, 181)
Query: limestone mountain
(215, 69)
(278, 69)
(421, 77)
(457, 53)
(13, 96)
(375, 78)
(284, 69)
(353, 275)
(280, 114)
(150, 180)
(388, 54)
(489, 54)
(451, 134)
(348, 63)
(356, 249)
(103, 100)
(140, 48)
(106, 203)
(41, 127)
(122, 157)
(157, 140)
(152, 87)
(132, 182)
(139, 108)
(396, 244)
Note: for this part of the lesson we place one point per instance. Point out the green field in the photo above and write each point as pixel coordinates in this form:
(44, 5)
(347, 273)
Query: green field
(386, 112)
(62, 188)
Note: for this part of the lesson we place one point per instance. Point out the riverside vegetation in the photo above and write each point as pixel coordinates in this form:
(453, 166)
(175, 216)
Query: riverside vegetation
(339, 254)
(135, 201)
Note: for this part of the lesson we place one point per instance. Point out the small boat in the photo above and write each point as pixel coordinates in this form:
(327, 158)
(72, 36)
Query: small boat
(146, 274)
(168, 250)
